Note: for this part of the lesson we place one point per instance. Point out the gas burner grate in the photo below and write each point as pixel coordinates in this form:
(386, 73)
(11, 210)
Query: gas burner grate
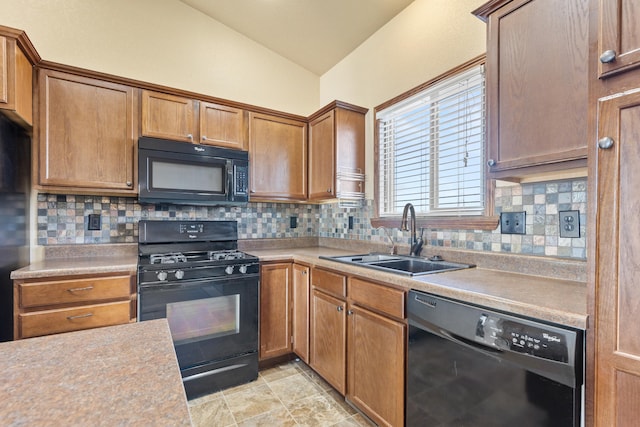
(170, 258)
(226, 255)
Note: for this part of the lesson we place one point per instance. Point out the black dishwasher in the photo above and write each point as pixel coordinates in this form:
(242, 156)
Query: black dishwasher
(473, 366)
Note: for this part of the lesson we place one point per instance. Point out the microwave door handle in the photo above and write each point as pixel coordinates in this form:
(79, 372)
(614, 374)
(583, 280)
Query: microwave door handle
(230, 173)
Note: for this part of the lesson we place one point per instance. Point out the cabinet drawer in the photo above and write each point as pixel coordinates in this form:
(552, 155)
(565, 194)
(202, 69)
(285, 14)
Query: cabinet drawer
(333, 283)
(71, 291)
(73, 319)
(378, 297)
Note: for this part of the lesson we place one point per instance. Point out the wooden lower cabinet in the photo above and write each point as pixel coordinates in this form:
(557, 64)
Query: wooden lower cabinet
(358, 342)
(615, 296)
(275, 309)
(67, 303)
(328, 345)
(300, 318)
(376, 361)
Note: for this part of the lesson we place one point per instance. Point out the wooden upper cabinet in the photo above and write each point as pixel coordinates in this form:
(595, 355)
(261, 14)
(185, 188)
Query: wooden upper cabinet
(336, 152)
(537, 85)
(16, 76)
(168, 116)
(222, 126)
(86, 138)
(278, 155)
(616, 294)
(619, 36)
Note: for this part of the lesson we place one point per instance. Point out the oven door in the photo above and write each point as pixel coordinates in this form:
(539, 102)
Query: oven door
(210, 319)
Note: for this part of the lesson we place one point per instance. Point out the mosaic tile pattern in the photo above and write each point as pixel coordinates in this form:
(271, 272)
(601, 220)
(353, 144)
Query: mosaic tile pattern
(62, 219)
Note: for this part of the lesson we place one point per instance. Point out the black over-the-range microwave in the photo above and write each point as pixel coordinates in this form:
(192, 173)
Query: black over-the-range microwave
(191, 174)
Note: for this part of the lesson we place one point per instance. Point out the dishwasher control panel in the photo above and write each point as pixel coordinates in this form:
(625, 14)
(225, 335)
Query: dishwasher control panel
(522, 338)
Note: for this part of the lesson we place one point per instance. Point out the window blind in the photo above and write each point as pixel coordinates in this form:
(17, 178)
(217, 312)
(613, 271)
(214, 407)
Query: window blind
(431, 149)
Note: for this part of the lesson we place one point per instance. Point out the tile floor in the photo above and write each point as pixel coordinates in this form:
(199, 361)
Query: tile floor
(289, 394)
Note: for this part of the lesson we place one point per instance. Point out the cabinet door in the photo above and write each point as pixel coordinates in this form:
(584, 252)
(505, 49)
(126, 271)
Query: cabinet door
(222, 126)
(616, 293)
(300, 320)
(350, 157)
(86, 134)
(16, 82)
(537, 85)
(327, 352)
(322, 157)
(619, 36)
(275, 307)
(168, 116)
(376, 366)
(278, 154)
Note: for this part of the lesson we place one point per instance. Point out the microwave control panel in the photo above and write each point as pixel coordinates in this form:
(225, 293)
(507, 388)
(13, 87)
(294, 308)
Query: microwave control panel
(241, 179)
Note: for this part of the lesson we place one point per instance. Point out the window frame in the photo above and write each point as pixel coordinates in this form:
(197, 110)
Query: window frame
(487, 221)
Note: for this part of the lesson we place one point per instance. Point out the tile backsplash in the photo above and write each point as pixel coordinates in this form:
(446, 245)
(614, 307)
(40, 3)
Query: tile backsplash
(62, 219)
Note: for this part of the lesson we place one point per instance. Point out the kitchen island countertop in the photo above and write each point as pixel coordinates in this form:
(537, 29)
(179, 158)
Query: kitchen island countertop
(119, 375)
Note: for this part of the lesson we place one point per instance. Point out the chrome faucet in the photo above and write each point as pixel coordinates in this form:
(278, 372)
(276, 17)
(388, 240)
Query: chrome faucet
(416, 243)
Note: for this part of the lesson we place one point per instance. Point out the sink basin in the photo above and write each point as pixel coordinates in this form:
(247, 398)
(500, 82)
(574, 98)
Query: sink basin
(399, 264)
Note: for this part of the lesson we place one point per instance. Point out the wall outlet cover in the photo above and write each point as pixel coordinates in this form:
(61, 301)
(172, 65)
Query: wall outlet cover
(512, 222)
(350, 222)
(569, 223)
(293, 222)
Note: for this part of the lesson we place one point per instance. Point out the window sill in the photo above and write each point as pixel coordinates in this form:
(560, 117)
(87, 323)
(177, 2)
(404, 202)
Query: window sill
(449, 223)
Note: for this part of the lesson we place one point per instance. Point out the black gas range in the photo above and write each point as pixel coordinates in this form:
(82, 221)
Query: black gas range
(192, 274)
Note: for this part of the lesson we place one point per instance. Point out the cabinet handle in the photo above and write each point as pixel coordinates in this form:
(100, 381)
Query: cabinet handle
(86, 288)
(328, 190)
(608, 56)
(605, 143)
(128, 183)
(340, 308)
(349, 312)
(491, 162)
(79, 316)
(204, 138)
(304, 273)
(190, 136)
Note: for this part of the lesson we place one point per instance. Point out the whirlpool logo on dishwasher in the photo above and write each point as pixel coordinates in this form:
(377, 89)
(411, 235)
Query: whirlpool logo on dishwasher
(550, 338)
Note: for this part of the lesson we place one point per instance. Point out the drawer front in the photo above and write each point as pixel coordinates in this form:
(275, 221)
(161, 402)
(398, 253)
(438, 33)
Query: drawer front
(70, 291)
(382, 298)
(73, 319)
(328, 281)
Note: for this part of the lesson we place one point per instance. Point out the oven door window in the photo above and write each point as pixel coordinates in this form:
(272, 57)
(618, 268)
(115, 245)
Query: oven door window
(184, 176)
(204, 319)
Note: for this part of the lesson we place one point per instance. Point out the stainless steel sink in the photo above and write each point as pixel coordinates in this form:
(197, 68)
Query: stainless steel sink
(399, 264)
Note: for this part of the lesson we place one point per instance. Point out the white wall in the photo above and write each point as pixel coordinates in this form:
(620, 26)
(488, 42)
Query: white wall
(426, 39)
(163, 42)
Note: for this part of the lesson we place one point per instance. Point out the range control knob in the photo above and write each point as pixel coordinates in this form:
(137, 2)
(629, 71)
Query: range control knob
(179, 274)
(229, 269)
(243, 269)
(162, 276)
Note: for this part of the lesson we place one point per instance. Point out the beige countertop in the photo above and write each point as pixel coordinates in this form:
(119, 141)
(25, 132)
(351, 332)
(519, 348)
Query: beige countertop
(555, 300)
(74, 266)
(119, 375)
(550, 299)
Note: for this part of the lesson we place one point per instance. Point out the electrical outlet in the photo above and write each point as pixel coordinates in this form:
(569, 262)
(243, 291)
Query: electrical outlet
(569, 223)
(293, 222)
(512, 222)
(93, 223)
(350, 222)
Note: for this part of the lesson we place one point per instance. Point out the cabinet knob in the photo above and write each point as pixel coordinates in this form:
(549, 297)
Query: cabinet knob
(349, 312)
(328, 190)
(608, 56)
(491, 162)
(304, 273)
(128, 183)
(204, 137)
(605, 143)
(340, 308)
(190, 136)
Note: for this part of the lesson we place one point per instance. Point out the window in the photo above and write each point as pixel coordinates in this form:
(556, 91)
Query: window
(430, 148)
